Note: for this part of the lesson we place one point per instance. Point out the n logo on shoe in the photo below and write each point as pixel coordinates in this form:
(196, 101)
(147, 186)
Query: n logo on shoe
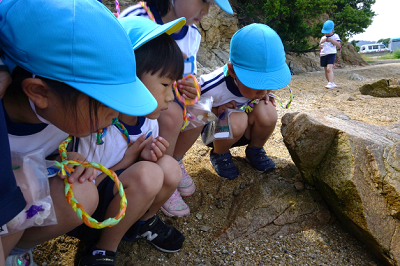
(149, 235)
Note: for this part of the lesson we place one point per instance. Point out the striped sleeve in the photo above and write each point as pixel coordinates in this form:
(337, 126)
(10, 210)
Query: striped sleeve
(135, 10)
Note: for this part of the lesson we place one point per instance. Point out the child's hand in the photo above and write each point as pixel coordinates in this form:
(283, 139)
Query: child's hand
(155, 150)
(5, 81)
(229, 105)
(81, 173)
(187, 88)
(268, 99)
(132, 153)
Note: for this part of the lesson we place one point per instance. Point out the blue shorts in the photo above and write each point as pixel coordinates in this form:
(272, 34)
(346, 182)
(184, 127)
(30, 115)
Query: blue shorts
(328, 59)
(12, 201)
(106, 195)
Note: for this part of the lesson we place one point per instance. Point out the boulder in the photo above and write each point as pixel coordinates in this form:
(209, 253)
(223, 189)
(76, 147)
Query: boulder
(382, 88)
(356, 168)
(274, 207)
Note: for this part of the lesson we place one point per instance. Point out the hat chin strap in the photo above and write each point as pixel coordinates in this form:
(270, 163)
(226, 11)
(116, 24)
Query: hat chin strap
(38, 116)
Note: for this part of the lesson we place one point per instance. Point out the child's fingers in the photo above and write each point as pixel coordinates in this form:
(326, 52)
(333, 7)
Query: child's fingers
(161, 147)
(163, 141)
(153, 156)
(76, 174)
(157, 149)
(87, 174)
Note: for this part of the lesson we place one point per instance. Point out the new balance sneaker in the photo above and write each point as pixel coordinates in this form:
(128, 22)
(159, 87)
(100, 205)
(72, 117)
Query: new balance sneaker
(175, 206)
(92, 256)
(223, 165)
(259, 159)
(162, 236)
(25, 259)
(187, 187)
(329, 85)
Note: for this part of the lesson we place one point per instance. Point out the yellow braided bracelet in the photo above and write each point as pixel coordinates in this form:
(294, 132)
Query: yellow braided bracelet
(69, 194)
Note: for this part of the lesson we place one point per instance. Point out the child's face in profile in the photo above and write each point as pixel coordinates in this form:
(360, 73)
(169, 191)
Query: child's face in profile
(249, 92)
(161, 89)
(192, 10)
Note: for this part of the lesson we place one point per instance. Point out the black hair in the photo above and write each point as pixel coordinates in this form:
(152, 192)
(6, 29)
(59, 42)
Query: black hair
(162, 6)
(160, 54)
(68, 95)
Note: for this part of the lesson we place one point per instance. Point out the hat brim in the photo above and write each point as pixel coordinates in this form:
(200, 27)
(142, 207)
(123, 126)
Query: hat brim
(130, 98)
(327, 30)
(274, 80)
(225, 5)
(130, 25)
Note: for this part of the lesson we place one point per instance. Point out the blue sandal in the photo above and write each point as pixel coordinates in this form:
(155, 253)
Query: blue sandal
(223, 165)
(259, 159)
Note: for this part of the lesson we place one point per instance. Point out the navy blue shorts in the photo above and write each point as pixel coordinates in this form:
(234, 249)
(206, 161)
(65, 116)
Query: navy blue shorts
(12, 201)
(241, 142)
(106, 195)
(328, 59)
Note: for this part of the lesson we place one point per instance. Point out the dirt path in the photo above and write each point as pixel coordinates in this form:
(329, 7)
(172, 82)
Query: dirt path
(328, 245)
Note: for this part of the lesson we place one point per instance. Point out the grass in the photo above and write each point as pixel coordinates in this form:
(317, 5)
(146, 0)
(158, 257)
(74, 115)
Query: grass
(394, 55)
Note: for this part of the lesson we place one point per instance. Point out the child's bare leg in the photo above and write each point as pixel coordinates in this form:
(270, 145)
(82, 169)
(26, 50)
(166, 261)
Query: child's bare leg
(186, 140)
(9, 242)
(238, 124)
(86, 194)
(262, 123)
(170, 123)
(172, 178)
(142, 182)
(329, 72)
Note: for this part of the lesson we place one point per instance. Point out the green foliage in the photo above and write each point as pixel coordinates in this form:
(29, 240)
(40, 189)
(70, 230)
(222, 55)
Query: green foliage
(384, 41)
(396, 54)
(297, 20)
(354, 43)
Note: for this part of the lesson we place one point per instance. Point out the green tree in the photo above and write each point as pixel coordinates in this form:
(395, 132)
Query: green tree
(384, 41)
(296, 21)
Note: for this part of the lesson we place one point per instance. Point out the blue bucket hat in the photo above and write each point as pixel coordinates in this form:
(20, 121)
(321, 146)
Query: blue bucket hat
(141, 30)
(258, 58)
(328, 26)
(78, 42)
(224, 5)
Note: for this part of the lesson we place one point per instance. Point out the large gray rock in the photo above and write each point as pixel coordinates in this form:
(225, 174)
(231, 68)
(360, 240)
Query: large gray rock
(382, 88)
(273, 207)
(356, 167)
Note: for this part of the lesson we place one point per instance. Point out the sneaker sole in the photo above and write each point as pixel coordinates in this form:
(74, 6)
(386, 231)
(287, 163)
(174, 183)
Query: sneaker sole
(171, 214)
(161, 249)
(187, 194)
(265, 171)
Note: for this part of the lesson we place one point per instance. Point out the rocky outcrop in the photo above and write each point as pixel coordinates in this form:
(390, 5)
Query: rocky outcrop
(356, 168)
(382, 88)
(272, 208)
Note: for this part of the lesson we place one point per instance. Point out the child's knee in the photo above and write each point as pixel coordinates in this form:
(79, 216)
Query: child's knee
(173, 116)
(238, 123)
(265, 114)
(172, 171)
(145, 178)
(87, 195)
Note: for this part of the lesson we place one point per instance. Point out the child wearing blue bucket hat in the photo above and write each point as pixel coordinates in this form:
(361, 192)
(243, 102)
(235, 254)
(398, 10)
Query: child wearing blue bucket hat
(131, 147)
(188, 39)
(256, 66)
(328, 51)
(67, 79)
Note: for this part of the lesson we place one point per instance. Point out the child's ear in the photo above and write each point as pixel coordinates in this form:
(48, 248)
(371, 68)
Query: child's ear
(37, 91)
(231, 70)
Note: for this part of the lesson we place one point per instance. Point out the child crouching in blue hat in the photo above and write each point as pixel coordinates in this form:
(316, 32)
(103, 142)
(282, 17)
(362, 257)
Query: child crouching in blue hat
(257, 65)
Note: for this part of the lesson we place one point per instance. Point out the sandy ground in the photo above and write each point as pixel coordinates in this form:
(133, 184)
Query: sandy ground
(324, 245)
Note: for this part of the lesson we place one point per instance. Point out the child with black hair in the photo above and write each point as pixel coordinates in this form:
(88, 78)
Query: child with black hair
(64, 82)
(132, 147)
(188, 39)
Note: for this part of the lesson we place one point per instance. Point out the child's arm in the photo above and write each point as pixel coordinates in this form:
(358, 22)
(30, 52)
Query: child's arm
(334, 42)
(323, 40)
(154, 150)
(229, 105)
